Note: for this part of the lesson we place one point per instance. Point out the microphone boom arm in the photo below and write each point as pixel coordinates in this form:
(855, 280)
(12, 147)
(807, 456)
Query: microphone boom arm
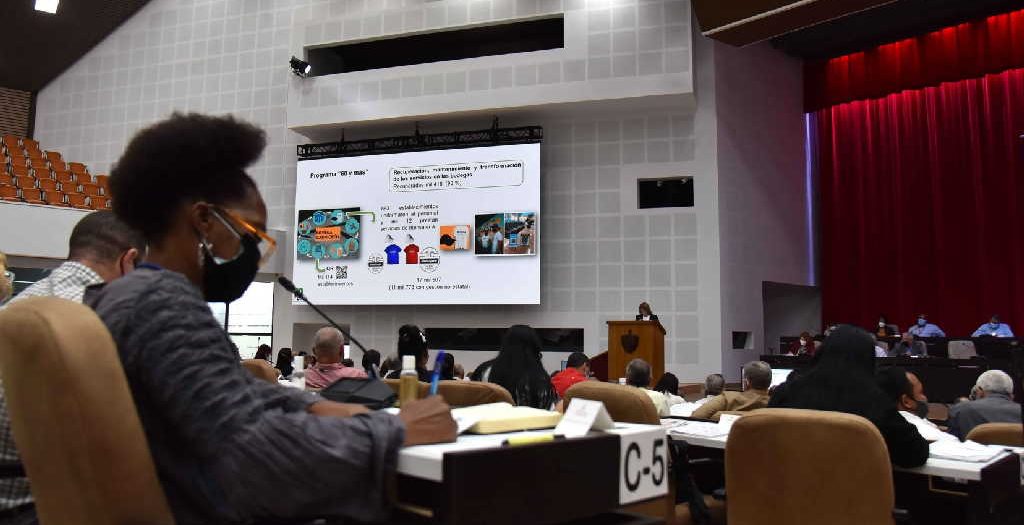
(290, 286)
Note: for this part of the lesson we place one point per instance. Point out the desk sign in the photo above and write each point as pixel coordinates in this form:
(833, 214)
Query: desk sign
(643, 463)
(582, 416)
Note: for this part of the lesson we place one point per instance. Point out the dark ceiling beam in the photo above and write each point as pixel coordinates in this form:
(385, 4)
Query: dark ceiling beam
(744, 22)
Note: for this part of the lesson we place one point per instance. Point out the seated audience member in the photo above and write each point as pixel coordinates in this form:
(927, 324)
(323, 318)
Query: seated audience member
(6, 280)
(411, 341)
(645, 313)
(886, 329)
(922, 328)
(101, 249)
(757, 377)
(638, 374)
(460, 372)
(327, 346)
(880, 350)
(371, 363)
(263, 352)
(904, 389)
(482, 372)
(993, 328)
(669, 385)
(802, 346)
(843, 380)
(907, 346)
(182, 184)
(389, 365)
(714, 385)
(284, 362)
(519, 370)
(448, 367)
(992, 403)
(577, 370)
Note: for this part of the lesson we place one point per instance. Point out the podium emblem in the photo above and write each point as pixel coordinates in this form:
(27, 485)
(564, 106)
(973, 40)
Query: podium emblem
(630, 342)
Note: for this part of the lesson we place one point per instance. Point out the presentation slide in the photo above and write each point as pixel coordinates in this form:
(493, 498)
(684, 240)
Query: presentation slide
(454, 226)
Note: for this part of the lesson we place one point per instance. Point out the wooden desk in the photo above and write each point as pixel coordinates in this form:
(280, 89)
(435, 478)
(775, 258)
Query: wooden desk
(477, 480)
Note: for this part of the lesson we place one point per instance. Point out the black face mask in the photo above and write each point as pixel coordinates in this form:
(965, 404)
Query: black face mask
(225, 281)
(921, 410)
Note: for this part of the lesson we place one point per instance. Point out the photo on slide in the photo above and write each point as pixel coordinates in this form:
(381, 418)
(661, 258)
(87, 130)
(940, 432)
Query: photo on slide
(327, 234)
(511, 233)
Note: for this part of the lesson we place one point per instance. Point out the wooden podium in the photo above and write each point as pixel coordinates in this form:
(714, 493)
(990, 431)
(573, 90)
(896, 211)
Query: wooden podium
(650, 346)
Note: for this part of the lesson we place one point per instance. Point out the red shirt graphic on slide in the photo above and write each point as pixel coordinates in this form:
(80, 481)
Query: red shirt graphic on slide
(412, 254)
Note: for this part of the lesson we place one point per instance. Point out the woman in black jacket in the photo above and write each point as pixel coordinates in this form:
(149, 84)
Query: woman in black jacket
(843, 381)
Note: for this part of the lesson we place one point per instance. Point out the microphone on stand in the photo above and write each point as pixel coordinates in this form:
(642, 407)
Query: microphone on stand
(288, 285)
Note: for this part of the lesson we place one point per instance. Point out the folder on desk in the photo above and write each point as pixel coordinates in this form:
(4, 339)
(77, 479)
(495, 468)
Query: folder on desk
(494, 418)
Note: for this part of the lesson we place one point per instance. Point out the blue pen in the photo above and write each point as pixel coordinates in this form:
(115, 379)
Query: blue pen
(437, 372)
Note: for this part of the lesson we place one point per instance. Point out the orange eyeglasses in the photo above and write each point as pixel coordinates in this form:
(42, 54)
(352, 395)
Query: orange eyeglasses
(266, 244)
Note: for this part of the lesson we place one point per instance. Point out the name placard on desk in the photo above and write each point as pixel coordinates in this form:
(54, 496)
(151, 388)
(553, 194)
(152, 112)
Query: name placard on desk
(643, 462)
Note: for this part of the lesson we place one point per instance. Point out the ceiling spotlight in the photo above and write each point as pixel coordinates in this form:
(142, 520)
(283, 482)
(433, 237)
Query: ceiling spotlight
(49, 6)
(300, 67)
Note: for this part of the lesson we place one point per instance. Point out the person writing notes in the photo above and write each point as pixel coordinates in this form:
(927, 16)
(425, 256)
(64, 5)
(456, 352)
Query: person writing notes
(993, 328)
(221, 440)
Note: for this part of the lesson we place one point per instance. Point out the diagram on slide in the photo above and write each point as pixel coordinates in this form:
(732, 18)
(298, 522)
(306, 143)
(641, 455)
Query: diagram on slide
(327, 234)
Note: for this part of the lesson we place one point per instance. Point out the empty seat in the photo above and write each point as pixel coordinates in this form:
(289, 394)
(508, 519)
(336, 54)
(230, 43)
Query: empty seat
(17, 158)
(58, 165)
(20, 171)
(54, 156)
(91, 189)
(30, 144)
(47, 185)
(11, 142)
(962, 350)
(79, 201)
(54, 198)
(103, 181)
(77, 167)
(99, 202)
(32, 196)
(7, 180)
(9, 193)
(65, 177)
(39, 164)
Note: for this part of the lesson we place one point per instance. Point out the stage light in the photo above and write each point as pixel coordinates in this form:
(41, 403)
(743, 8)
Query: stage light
(49, 6)
(300, 67)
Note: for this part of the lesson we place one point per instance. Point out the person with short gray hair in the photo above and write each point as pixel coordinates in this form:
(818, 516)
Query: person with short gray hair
(757, 377)
(329, 367)
(991, 402)
(638, 374)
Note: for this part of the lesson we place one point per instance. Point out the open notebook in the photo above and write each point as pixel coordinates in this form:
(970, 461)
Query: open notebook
(494, 418)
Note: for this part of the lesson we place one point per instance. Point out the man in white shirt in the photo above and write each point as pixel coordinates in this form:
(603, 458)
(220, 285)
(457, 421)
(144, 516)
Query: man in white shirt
(101, 249)
(907, 391)
(638, 374)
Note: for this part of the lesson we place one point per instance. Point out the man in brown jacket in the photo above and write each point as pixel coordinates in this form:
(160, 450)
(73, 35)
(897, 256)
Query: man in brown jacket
(757, 377)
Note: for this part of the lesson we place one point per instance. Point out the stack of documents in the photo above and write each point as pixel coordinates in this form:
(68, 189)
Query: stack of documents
(966, 451)
(700, 429)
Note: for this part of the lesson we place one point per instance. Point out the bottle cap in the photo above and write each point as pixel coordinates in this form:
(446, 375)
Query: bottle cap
(408, 362)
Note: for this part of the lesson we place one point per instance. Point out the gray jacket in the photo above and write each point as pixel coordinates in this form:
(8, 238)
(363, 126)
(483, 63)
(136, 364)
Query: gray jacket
(993, 408)
(229, 448)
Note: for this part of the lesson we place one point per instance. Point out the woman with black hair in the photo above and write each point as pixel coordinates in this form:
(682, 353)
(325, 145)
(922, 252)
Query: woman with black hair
(263, 352)
(519, 370)
(371, 363)
(284, 362)
(222, 440)
(411, 341)
(669, 385)
(843, 380)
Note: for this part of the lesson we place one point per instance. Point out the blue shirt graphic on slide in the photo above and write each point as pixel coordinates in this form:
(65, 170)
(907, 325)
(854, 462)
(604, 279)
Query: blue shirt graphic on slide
(392, 251)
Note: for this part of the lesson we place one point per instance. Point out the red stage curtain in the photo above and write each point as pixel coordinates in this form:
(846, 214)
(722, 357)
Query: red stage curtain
(922, 205)
(968, 50)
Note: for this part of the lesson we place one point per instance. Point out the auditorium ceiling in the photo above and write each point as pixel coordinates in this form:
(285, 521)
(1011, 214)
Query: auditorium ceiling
(36, 47)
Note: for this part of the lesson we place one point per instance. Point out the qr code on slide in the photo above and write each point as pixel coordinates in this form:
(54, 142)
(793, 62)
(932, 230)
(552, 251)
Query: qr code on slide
(341, 272)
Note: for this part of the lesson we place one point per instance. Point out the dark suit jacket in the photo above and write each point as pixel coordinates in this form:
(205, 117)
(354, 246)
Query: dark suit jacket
(641, 318)
(993, 408)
